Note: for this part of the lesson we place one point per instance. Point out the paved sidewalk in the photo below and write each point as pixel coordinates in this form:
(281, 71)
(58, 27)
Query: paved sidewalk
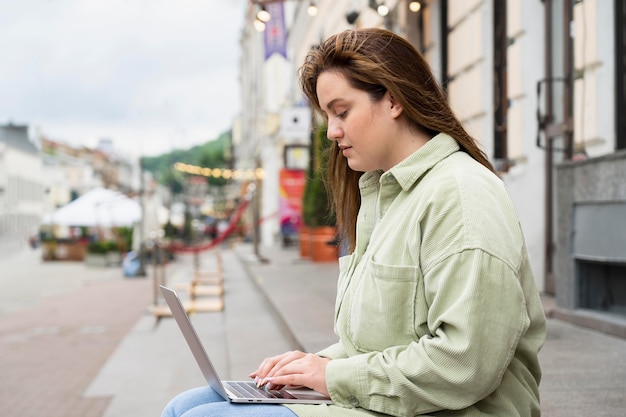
(584, 371)
(72, 350)
(153, 363)
(60, 322)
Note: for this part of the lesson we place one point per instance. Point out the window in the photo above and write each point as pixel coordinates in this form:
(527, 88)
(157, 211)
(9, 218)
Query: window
(620, 74)
(500, 94)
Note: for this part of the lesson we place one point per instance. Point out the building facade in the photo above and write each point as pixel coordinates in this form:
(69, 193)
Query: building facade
(21, 185)
(540, 84)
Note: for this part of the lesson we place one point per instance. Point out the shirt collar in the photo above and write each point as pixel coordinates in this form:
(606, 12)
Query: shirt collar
(407, 172)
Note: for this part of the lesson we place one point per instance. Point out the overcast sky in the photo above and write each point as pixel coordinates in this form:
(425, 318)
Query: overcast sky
(152, 75)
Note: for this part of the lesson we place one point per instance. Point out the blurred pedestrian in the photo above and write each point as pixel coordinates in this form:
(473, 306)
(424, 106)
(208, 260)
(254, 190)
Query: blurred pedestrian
(33, 241)
(437, 310)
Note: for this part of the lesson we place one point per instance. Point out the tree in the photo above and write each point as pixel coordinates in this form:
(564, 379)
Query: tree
(213, 154)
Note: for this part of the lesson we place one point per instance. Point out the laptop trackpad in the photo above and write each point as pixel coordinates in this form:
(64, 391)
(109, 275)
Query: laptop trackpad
(305, 394)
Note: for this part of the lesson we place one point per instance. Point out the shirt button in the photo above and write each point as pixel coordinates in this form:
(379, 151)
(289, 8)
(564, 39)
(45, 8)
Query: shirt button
(353, 401)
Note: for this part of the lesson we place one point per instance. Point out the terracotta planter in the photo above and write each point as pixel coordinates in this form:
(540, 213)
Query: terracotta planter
(63, 251)
(305, 241)
(321, 251)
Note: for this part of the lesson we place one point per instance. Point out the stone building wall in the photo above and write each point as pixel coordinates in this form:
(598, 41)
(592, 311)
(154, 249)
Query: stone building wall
(601, 182)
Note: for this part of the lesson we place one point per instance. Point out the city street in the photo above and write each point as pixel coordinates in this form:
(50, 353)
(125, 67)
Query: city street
(481, 138)
(59, 323)
(79, 341)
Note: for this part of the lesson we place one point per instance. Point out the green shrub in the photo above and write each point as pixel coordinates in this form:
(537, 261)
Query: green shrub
(126, 236)
(98, 248)
(316, 208)
(112, 246)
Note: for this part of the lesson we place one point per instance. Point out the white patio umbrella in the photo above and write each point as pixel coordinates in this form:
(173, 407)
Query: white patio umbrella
(99, 207)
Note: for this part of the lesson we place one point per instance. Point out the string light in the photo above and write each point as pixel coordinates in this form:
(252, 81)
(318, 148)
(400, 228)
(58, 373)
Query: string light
(249, 174)
(258, 25)
(263, 15)
(312, 9)
(415, 6)
(382, 9)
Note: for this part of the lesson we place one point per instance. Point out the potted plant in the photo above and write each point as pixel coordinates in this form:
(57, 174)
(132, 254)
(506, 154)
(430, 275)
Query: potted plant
(97, 253)
(317, 213)
(113, 254)
(48, 244)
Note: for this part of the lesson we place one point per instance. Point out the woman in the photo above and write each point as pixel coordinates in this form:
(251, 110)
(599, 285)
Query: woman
(437, 311)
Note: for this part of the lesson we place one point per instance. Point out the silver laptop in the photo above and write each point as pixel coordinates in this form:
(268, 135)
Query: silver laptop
(234, 391)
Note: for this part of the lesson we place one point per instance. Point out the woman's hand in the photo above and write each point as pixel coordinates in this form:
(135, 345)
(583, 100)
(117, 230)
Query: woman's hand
(293, 368)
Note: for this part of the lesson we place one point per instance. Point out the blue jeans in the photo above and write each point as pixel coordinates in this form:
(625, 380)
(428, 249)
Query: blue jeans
(204, 402)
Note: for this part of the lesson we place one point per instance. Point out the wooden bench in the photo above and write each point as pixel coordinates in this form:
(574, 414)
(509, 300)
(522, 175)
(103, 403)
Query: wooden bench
(205, 290)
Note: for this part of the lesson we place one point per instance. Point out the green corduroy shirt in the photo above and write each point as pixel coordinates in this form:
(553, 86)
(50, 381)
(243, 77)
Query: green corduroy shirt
(437, 311)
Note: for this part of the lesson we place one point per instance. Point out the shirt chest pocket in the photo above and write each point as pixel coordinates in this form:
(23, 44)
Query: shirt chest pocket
(386, 303)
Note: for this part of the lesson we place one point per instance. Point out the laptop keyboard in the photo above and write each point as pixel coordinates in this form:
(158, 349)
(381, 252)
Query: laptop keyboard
(249, 389)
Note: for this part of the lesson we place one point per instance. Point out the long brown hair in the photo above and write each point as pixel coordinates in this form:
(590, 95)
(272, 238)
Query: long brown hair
(377, 61)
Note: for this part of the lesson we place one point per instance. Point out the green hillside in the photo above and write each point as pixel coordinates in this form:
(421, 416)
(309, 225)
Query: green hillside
(216, 153)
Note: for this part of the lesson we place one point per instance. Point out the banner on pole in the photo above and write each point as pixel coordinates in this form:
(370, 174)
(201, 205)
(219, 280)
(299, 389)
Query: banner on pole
(275, 31)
